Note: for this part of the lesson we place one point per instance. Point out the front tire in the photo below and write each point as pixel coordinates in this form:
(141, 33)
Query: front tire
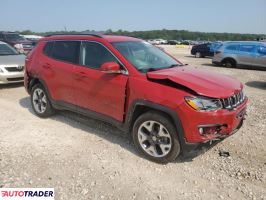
(228, 63)
(40, 102)
(155, 137)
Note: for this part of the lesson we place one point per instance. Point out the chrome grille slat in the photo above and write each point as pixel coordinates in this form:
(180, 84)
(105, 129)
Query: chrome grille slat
(233, 101)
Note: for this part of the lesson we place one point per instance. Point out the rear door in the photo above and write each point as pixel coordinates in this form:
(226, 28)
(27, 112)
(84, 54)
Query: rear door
(246, 54)
(95, 90)
(57, 65)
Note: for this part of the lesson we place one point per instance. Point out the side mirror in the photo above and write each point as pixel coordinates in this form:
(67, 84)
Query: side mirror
(111, 68)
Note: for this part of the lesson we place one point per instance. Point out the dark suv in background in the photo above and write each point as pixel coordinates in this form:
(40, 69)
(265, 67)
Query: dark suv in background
(21, 44)
(207, 49)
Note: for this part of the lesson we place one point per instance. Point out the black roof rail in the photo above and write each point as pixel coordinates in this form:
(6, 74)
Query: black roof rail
(68, 34)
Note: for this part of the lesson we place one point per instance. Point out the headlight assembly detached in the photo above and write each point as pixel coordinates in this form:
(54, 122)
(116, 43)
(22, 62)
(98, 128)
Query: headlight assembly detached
(203, 103)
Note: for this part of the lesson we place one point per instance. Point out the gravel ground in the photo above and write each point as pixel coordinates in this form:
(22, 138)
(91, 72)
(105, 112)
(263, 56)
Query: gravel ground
(87, 159)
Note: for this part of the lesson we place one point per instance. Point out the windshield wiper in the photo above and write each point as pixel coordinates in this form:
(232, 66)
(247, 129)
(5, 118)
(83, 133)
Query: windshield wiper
(175, 65)
(151, 69)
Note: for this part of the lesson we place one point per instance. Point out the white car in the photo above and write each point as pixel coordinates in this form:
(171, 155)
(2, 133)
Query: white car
(11, 64)
(157, 41)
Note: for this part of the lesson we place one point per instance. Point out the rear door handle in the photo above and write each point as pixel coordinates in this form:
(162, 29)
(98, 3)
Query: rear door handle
(47, 66)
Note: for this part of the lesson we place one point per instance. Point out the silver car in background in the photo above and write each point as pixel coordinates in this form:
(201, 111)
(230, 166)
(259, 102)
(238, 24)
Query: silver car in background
(232, 54)
(11, 64)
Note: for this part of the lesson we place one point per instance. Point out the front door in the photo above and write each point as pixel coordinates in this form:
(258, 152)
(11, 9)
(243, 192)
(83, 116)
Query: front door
(95, 90)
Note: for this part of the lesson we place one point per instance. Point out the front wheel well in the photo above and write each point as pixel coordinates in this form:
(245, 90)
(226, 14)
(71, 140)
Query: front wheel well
(141, 109)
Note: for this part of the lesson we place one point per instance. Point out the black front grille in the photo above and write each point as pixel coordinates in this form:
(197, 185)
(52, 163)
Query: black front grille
(15, 79)
(15, 69)
(234, 101)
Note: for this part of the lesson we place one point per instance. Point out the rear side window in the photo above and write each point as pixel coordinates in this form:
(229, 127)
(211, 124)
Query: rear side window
(67, 51)
(48, 48)
(247, 48)
(93, 55)
(232, 47)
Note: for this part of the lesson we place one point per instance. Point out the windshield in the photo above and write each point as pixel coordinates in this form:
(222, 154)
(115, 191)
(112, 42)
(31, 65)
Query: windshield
(7, 50)
(144, 56)
(214, 46)
(14, 37)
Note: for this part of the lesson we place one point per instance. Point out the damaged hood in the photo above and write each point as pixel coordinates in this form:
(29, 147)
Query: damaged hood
(202, 82)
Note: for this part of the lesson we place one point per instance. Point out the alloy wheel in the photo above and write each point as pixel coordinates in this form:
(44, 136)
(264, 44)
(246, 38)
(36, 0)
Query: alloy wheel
(154, 138)
(39, 100)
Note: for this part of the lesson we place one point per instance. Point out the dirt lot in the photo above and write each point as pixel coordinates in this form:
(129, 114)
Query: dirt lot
(88, 159)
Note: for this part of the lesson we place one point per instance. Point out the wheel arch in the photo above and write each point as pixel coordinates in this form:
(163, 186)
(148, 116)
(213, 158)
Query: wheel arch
(140, 107)
(33, 81)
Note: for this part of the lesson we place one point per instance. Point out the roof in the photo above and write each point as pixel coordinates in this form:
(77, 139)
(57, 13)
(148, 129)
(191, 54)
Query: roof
(109, 38)
(245, 42)
(119, 38)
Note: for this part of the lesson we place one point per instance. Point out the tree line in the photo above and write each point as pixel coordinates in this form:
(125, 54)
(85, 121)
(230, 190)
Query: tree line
(164, 34)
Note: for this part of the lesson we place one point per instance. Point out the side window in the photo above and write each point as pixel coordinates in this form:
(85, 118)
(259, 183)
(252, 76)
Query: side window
(262, 50)
(93, 55)
(232, 47)
(47, 50)
(67, 51)
(247, 48)
(1, 37)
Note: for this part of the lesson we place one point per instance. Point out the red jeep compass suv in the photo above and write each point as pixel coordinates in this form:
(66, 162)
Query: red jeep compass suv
(166, 106)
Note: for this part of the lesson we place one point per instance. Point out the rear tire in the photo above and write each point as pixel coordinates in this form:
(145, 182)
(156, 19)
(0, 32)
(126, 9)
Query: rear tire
(198, 55)
(40, 102)
(155, 137)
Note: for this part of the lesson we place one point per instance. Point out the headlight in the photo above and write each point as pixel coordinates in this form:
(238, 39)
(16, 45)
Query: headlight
(203, 103)
(18, 46)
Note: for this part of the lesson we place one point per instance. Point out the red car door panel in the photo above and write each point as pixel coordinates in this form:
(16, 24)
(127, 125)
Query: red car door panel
(98, 91)
(58, 64)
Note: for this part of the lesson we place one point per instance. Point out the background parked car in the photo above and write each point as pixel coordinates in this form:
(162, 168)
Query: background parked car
(158, 41)
(232, 54)
(33, 38)
(173, 42)
(21, 44)
(11, 64)
(206, 49)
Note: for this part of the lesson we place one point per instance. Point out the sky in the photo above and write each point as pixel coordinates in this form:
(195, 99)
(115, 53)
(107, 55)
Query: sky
(234, 16)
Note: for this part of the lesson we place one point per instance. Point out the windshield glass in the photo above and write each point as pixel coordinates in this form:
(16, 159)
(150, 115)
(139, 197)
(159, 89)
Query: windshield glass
(215, 46)
(14, 37)
(144, 56)
(7, 50)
